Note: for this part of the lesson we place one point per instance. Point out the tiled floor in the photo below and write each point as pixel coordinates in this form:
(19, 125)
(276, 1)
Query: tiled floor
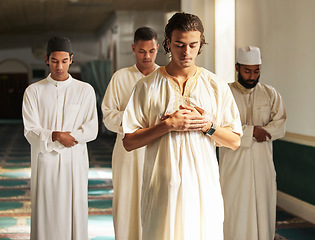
(293, 228)
(15, 191)
(15, 186)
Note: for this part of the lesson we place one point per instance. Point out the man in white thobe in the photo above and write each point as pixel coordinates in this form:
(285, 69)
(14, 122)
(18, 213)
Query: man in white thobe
(59, 115)
(128, 166)
(248, 177)
(180, 112)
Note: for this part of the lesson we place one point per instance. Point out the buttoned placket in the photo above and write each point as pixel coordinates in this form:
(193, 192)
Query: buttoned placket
(249, 109)
(60, 105)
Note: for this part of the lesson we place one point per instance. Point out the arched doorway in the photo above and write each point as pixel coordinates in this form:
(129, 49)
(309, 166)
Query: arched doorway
(13, 82)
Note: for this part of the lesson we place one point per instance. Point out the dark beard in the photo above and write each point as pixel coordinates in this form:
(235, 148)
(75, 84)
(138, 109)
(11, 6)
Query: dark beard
(245, 84)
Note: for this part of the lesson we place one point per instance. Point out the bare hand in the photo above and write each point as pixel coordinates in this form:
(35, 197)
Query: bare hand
(260, 134)
(185, 119)
(64, 138)
(209, 124)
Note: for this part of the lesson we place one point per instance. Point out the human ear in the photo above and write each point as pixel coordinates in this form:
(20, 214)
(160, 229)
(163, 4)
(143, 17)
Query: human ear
(168, 43)
(46, 60)
(133, 47)
(237, 67)
(71, 58)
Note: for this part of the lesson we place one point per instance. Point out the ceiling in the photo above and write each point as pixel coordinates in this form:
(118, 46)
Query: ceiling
(22, 17)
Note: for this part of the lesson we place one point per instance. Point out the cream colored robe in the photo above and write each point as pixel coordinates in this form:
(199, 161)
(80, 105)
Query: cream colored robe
(127, 166)
(248, 177)
(181, 195)
(59, 179)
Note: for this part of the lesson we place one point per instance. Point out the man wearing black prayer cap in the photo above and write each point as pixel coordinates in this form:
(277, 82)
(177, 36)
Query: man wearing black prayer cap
(59, 115)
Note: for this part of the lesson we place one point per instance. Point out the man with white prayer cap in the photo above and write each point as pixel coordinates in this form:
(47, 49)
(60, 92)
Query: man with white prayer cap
(247, 175)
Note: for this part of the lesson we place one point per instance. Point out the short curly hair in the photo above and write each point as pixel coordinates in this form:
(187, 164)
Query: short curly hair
(183, 22)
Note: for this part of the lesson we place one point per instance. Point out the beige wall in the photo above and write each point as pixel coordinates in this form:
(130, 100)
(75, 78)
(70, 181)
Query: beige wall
(117, 38)
(284, 31)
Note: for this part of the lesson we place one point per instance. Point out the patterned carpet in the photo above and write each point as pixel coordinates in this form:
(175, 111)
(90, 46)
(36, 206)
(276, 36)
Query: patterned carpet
(290, 227)
(15, 186)
(15, 191)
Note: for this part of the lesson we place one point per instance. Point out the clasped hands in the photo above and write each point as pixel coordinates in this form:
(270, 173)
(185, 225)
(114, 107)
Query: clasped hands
(260, 134)
(187, 118)
(64, 138)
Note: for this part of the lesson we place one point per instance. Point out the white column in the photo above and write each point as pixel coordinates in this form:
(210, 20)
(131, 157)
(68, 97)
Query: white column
(225, 39)
(204, 9)
(218, 18)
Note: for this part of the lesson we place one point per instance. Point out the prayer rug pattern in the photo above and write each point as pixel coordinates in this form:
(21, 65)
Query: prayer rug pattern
(15, 191)
(15, 173)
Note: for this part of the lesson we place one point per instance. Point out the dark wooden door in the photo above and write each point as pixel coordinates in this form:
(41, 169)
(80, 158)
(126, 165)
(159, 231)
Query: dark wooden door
(12, 87)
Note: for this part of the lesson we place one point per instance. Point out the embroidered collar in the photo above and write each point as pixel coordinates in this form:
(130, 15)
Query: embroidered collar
(191, 79)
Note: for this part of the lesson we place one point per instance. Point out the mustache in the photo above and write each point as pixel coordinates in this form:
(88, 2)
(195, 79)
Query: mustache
(245, 83)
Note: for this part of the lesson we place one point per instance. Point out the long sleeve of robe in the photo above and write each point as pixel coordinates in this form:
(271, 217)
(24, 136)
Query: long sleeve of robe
(127, 167)
(59, 175)
(181, 195)
(248, 177)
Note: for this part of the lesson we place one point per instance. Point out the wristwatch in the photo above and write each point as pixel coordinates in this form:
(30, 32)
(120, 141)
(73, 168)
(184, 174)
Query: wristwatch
(211, 130)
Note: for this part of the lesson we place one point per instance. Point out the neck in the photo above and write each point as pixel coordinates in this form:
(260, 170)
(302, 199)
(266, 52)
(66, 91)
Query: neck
(59, 79)
(146, 71)
(181, 74)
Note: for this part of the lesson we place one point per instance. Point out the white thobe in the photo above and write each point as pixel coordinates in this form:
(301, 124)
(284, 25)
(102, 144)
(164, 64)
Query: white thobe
(59, 179)
(248, 177)
(181, 195)
(127, 167)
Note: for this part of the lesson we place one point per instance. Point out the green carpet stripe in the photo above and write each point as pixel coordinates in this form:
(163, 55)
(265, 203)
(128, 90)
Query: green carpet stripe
(4, 206)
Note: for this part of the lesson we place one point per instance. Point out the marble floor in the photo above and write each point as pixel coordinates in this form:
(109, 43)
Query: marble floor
(15, 175)
(15, 191)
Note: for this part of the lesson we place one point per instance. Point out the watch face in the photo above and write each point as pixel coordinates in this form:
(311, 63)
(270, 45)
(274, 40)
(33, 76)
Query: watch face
(212, 129)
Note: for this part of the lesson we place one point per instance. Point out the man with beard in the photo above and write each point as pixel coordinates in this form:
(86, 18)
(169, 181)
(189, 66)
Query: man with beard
(127, 166)
(248, 178)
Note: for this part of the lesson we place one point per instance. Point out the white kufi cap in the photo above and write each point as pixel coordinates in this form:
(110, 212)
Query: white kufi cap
(249, 55)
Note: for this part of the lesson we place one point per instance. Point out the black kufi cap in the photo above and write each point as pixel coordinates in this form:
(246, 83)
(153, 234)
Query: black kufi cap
(59, 44)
